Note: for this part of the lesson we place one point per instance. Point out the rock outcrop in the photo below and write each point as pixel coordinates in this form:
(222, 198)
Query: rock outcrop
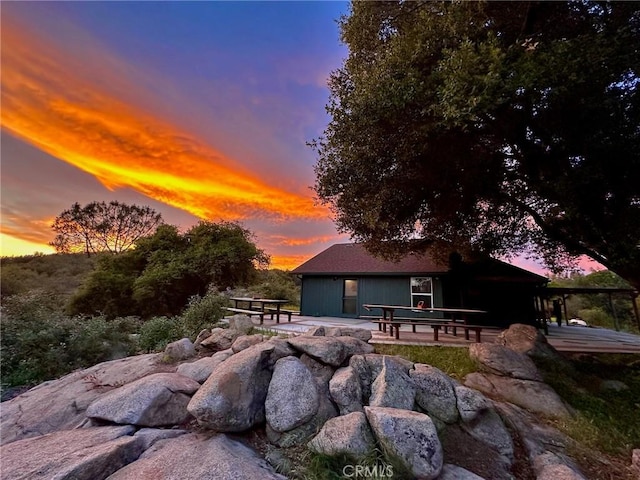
(325, 391)
(153, 401)
(512, 376)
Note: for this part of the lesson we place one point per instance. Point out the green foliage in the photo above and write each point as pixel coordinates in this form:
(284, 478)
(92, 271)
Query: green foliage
(157, 332)
(504, 125)
(374, 466)
(454, 361)
(277, 284)
(203, 312)
(606, 420)
(40, 343)
(596, 309)
(166, 269)
(103, 227)
(60, 274)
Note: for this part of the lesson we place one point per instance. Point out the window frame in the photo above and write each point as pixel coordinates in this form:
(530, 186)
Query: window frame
(421, 295)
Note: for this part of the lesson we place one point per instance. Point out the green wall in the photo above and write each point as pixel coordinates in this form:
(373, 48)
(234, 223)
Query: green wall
(322, 295)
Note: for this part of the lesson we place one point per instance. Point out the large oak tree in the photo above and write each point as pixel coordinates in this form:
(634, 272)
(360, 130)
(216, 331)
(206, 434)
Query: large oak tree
(495, 127)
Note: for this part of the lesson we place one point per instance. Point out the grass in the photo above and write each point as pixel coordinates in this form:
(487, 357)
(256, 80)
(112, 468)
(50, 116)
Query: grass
(606, 420)
(454, 361)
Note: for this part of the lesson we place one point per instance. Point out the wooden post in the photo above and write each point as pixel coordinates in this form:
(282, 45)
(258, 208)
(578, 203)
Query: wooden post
(635, 308)
(613, 310)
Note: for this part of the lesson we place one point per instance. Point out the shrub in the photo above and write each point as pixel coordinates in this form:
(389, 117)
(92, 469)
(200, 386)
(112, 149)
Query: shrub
(157, 332)
(202, 312)
(40, 343)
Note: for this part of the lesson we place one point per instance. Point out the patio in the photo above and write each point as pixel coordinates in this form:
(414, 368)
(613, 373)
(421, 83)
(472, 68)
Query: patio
(564, 339)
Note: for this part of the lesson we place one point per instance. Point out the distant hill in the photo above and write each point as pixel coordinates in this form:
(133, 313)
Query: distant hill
(55, 273)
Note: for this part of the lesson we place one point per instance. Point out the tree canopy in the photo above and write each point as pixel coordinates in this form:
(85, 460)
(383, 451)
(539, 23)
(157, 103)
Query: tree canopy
(99, 226)
(494, 127)
(165, 269)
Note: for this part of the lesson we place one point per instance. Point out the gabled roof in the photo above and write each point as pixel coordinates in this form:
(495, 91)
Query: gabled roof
(352, 258)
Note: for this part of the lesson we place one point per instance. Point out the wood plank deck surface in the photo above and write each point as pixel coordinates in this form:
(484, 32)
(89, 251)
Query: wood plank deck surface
(564, 339)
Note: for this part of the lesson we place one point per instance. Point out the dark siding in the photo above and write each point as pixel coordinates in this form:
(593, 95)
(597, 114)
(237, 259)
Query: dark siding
(322, 295)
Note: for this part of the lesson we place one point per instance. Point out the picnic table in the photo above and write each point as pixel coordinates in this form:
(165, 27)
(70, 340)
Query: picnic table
(259, 307)
(454, 316)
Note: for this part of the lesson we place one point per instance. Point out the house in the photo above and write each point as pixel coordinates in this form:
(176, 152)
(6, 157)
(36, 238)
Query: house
(339, 280)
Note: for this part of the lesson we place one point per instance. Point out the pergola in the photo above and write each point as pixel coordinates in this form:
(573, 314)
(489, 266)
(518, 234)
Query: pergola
(563, 292)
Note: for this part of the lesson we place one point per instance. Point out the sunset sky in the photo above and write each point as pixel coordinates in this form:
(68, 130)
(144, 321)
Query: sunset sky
(201, 110)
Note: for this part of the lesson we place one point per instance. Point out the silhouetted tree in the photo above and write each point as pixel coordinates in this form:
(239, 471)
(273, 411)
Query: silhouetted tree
(98, 226)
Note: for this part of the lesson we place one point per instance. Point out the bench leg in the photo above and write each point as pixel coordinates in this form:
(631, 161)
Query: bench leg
(397, 328)
(466, 334)
(478, 330)
(455, 331)
(435, 332)
(414, 327)
(289, 317)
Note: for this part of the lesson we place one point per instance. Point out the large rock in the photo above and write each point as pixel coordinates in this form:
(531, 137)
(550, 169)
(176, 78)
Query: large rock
(534, 396)
(202, 368)
(346, 391)
(153, 401)
(179, 350)
(232, 399)
(61, 404)
(504, 361)
(435, 392)
(346, 435)
(393, 387)
(528, 340)
(410, 437)
(470, 402)
(535, 436)
(368, 367)
(453, 472)
(355, 346)
(81, 454)
(359, 333)
(241, 323)
(329, 350)
(292, 398)
(220, 339)
(488, 428)
(550, 466)
(198, 457)
(245, 341)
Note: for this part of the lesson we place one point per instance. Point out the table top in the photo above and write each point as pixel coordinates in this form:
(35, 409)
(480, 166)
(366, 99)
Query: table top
(258, 300)
(420, 310)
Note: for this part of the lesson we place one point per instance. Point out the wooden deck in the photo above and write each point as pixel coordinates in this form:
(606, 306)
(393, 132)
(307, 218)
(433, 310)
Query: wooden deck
(564, 339)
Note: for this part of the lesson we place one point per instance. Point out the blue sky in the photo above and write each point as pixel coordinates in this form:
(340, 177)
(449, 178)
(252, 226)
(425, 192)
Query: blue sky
(198, 109)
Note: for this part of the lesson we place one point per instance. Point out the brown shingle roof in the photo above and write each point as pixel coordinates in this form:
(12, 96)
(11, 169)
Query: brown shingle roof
(351, 258)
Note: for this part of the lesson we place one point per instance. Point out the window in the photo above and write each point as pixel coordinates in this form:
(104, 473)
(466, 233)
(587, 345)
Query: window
(350, 297)
(422, 291)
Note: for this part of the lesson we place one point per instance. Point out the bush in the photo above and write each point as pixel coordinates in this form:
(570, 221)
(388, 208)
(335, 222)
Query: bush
(40, 343)
(202, 312)
(278, 284)
(157, 332)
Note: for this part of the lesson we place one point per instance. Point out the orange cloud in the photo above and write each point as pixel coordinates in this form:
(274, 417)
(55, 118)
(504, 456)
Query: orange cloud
(48, 103)
(288, 262)
(296, 242)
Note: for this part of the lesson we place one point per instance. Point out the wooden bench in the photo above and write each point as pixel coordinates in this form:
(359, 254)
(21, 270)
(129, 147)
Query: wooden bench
(249, 313)
(436, 326)
(273, 311)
